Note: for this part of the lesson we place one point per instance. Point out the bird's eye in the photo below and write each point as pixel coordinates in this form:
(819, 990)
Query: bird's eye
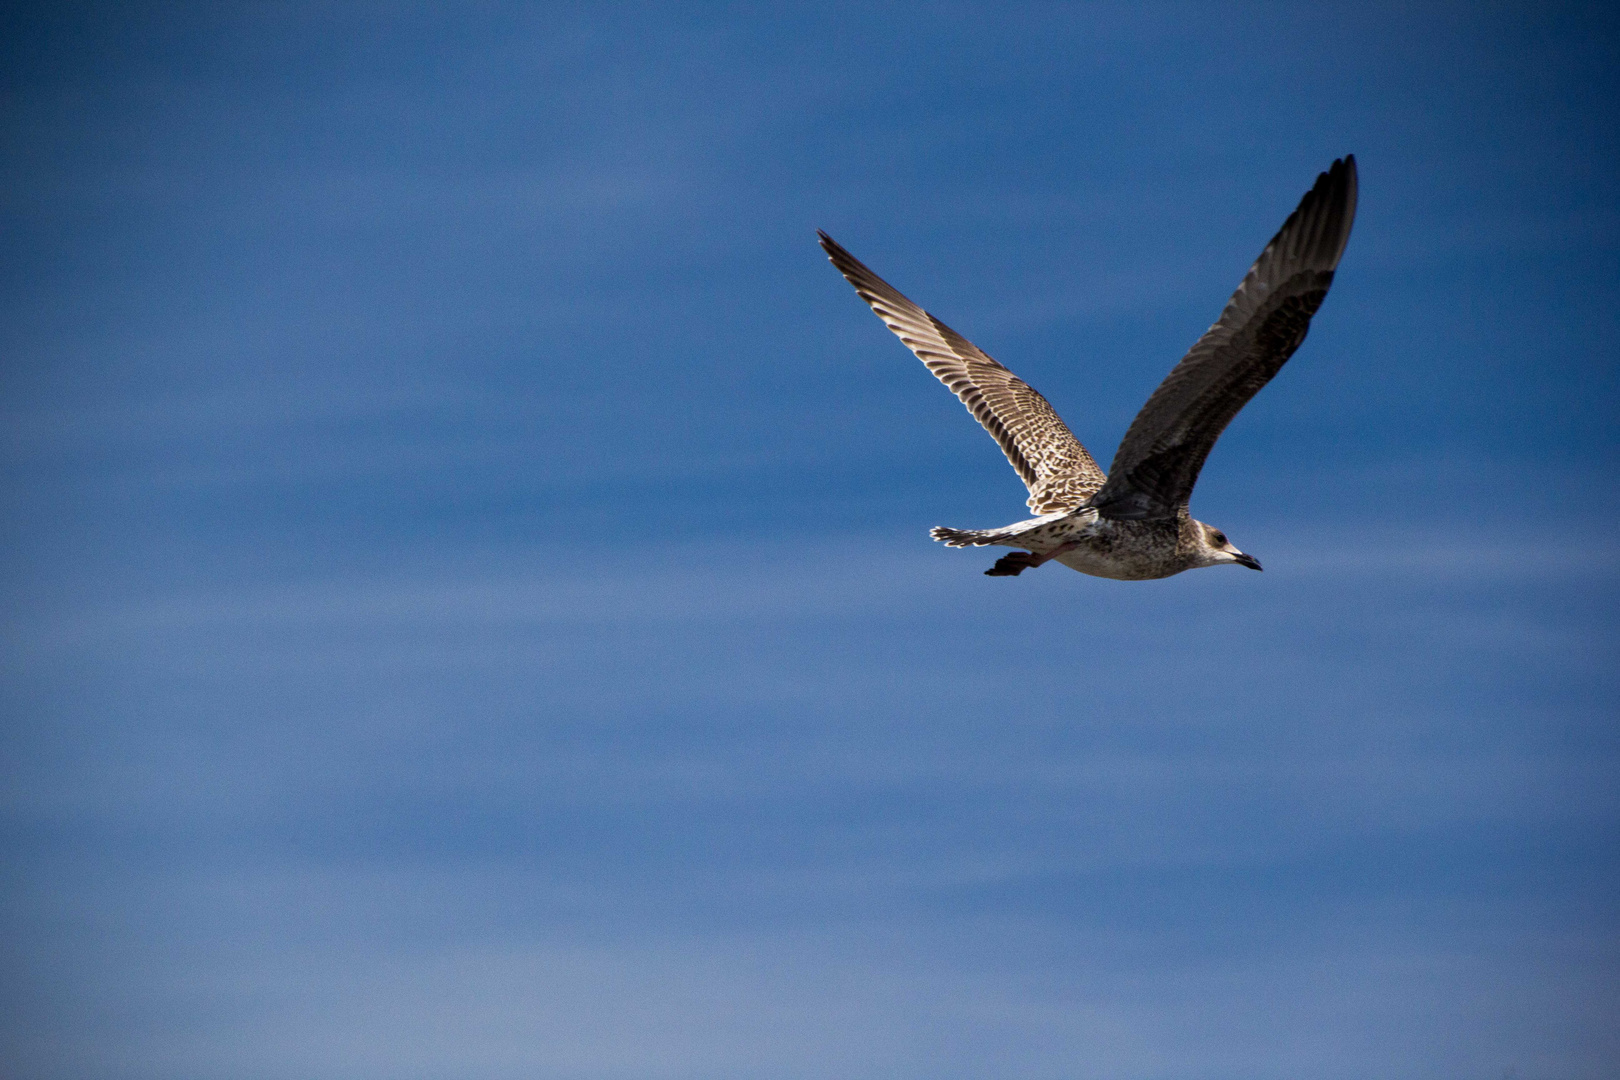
(1220, 537)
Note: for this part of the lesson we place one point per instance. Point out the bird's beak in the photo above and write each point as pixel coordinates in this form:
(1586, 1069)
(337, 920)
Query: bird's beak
(1247, 560)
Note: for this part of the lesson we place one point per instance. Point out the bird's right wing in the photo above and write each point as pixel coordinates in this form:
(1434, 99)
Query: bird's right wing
(1159, 459)
(1054, 466)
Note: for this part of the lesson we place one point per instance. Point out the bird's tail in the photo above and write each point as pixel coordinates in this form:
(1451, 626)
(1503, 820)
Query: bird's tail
(967, 537)
(1036, 534)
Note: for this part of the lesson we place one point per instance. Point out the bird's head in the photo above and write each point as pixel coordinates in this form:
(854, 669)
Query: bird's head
(1217, 549)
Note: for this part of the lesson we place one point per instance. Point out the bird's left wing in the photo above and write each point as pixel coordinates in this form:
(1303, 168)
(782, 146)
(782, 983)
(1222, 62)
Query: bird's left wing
(1159, 459)
(1054, 466)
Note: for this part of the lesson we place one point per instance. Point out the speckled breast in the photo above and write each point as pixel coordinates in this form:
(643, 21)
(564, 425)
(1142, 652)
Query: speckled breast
(1127, 550)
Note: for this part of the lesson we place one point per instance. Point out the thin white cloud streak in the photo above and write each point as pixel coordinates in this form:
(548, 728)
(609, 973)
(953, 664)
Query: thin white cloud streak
(924, 997)
(468, 677)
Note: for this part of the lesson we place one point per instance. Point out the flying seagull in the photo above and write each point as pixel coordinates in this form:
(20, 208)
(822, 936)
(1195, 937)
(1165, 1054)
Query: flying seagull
(1131, 523)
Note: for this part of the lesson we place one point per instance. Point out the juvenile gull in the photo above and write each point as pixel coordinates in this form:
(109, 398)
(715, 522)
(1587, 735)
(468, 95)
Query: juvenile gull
(1131, 523)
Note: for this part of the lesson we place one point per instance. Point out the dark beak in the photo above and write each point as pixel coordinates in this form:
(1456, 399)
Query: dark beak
(1247, 560)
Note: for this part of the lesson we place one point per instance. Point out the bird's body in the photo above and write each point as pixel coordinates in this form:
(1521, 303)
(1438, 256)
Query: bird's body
(1086, 541)
(1131, 523)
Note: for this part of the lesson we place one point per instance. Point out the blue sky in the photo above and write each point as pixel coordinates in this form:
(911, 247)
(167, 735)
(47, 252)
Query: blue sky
(469, 607)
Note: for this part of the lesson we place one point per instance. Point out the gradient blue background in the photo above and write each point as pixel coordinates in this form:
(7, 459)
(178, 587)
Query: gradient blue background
(468, 603)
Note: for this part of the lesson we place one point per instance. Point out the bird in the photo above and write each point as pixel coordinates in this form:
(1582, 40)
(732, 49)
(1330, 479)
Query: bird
(1132, 523)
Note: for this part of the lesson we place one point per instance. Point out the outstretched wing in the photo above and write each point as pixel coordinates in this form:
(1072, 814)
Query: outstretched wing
(1054, 466)
(1158, 461)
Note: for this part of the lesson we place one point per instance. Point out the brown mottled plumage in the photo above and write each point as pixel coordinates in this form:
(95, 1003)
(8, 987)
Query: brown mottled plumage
(1132, 523)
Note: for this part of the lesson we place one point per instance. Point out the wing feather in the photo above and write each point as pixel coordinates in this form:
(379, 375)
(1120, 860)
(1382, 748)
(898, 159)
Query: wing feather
(1058, 471)
(1159, 459)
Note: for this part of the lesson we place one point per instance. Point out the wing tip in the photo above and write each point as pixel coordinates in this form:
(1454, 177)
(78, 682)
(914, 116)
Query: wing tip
(1337, 190)
(1352, 192)
(1318, 230)
(832, 247)
(855, 272)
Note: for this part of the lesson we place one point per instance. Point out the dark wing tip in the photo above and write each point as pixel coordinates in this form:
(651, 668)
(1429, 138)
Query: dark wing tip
(1326, 213)
(1352, 189)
